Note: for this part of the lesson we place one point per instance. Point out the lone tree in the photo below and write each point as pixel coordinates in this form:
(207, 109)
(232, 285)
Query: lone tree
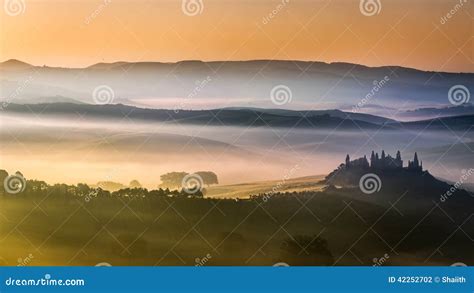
(208, 177)
(135, 184)
(3, 175)
(172, 179)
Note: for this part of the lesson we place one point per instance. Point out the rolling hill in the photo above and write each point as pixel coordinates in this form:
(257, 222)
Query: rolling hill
(254, 117)
(314, 85)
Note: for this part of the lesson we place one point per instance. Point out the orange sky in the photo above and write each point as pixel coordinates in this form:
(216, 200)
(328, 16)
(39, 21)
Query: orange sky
(83, 32)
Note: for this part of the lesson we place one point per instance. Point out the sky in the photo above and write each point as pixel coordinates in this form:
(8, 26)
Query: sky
(435, 35)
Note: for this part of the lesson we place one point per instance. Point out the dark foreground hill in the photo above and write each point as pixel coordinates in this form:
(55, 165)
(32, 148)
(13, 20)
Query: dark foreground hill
(389, 172)
(77, 225)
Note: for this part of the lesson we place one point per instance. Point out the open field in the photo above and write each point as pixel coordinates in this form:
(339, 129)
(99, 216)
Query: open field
(309, 183)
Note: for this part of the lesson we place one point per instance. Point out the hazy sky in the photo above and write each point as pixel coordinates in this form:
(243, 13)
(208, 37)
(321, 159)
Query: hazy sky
(80, 33)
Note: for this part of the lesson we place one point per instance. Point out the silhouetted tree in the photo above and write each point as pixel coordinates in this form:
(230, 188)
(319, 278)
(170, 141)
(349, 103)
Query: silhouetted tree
(208, 177)
(172, 179)
(83, 189)
(134, 184)
(3, 175)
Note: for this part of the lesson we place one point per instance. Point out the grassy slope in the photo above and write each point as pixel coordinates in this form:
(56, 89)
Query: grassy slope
(170, 231)
(244, 190)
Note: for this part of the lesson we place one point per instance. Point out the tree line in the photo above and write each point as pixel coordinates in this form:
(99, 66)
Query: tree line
(175, 179)
(16, 184)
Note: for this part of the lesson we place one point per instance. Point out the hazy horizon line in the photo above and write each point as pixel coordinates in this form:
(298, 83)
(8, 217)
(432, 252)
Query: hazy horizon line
(235, 61)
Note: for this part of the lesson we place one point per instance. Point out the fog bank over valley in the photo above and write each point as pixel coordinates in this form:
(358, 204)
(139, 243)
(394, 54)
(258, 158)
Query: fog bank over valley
(77, 150)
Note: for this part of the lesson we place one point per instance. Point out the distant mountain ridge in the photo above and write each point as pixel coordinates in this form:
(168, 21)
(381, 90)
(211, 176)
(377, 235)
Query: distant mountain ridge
(15, 63)
(314, 85)
(427, 113)
(44, 100)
